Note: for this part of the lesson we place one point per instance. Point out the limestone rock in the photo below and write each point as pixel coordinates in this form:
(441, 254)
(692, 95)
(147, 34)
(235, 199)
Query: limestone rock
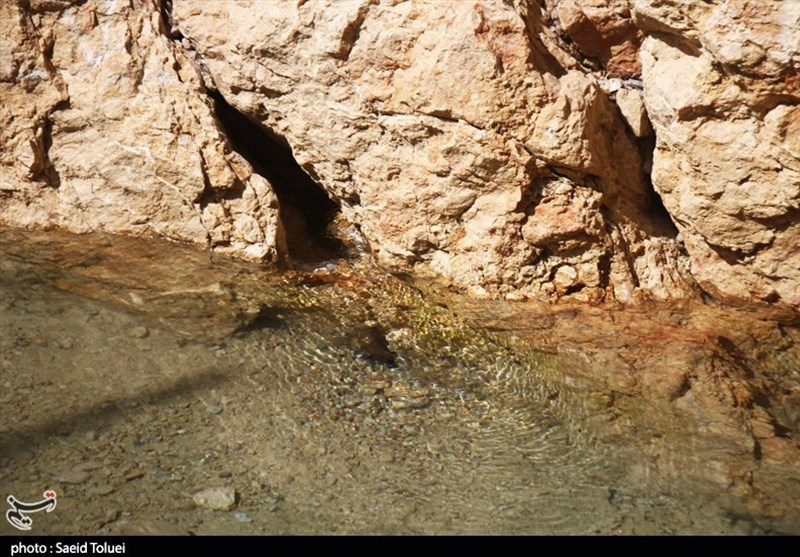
(631, 104)
(106, 125)
(722, 88)
(478, 141)
(602, 30)
(459, 136)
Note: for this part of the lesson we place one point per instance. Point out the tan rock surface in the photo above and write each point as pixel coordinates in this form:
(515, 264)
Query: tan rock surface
(497, 144)
(602, 30)
(454, 134)
(106, 125)
(722, 88)
(631, 104)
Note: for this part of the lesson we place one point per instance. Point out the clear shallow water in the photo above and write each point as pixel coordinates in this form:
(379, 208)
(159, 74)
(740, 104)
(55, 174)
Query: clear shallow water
(137, 373)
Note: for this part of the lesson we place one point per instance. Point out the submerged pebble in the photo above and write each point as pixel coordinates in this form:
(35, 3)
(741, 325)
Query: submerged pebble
(216, 498)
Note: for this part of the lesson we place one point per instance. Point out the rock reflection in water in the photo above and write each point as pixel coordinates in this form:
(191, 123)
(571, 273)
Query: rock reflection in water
(136, 374)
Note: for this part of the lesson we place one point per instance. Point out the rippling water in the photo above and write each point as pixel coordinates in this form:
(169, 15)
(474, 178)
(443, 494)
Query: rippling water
(137, 373)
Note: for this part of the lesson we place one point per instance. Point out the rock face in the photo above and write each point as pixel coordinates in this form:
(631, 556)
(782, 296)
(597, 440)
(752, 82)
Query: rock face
(722, 87)
(602, 31)
(503, 145)
(459, 136)
(106, 125)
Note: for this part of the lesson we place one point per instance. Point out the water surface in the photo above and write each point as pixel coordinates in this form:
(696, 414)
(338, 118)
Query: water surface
(136, 373)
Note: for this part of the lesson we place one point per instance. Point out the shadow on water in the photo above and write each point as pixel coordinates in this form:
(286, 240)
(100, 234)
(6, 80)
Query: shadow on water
(106, 411)
(345, 401)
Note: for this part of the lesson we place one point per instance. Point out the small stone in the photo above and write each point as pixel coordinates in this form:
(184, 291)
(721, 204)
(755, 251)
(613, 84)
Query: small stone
(405, 403)
(104, 489)
(400, 391)
(135, 475)
(73, 477)
(65, 343)
(138, 332)
(111, 516)
(242, 517)
(214, 409)
(216, 498)
(271, 503)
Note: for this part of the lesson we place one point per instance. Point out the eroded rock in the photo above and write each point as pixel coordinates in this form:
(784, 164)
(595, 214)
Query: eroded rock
(722, 85)
(460, 137)
(502, 145)
(107, 126)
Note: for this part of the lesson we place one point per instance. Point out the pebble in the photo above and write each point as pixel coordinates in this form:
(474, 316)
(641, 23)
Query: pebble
(214, 409)
(405, 403)
(271, 503)
(73, 477)
(401, 391)
(138, 332)
(65, 343)
(242, 517)
(216, 498)
(105, 489)
(135, 475)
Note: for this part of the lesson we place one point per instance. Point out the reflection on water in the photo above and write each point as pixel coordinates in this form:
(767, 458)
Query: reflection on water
(137, 373)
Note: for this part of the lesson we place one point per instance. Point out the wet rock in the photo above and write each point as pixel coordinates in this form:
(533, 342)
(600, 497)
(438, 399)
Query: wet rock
(213, 409)
(272, 502)
(405, 403)
(242, 517)
(66, 343)
(111, 515)
(138, 332)
(104, 489)
(374, 385)
(216, 498)
(401, 338)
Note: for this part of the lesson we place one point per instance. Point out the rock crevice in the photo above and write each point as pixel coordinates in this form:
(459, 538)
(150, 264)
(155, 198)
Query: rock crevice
(592, 150)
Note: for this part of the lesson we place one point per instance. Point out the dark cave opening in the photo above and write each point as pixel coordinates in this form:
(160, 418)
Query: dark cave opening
(307, 212)
(656, 209)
